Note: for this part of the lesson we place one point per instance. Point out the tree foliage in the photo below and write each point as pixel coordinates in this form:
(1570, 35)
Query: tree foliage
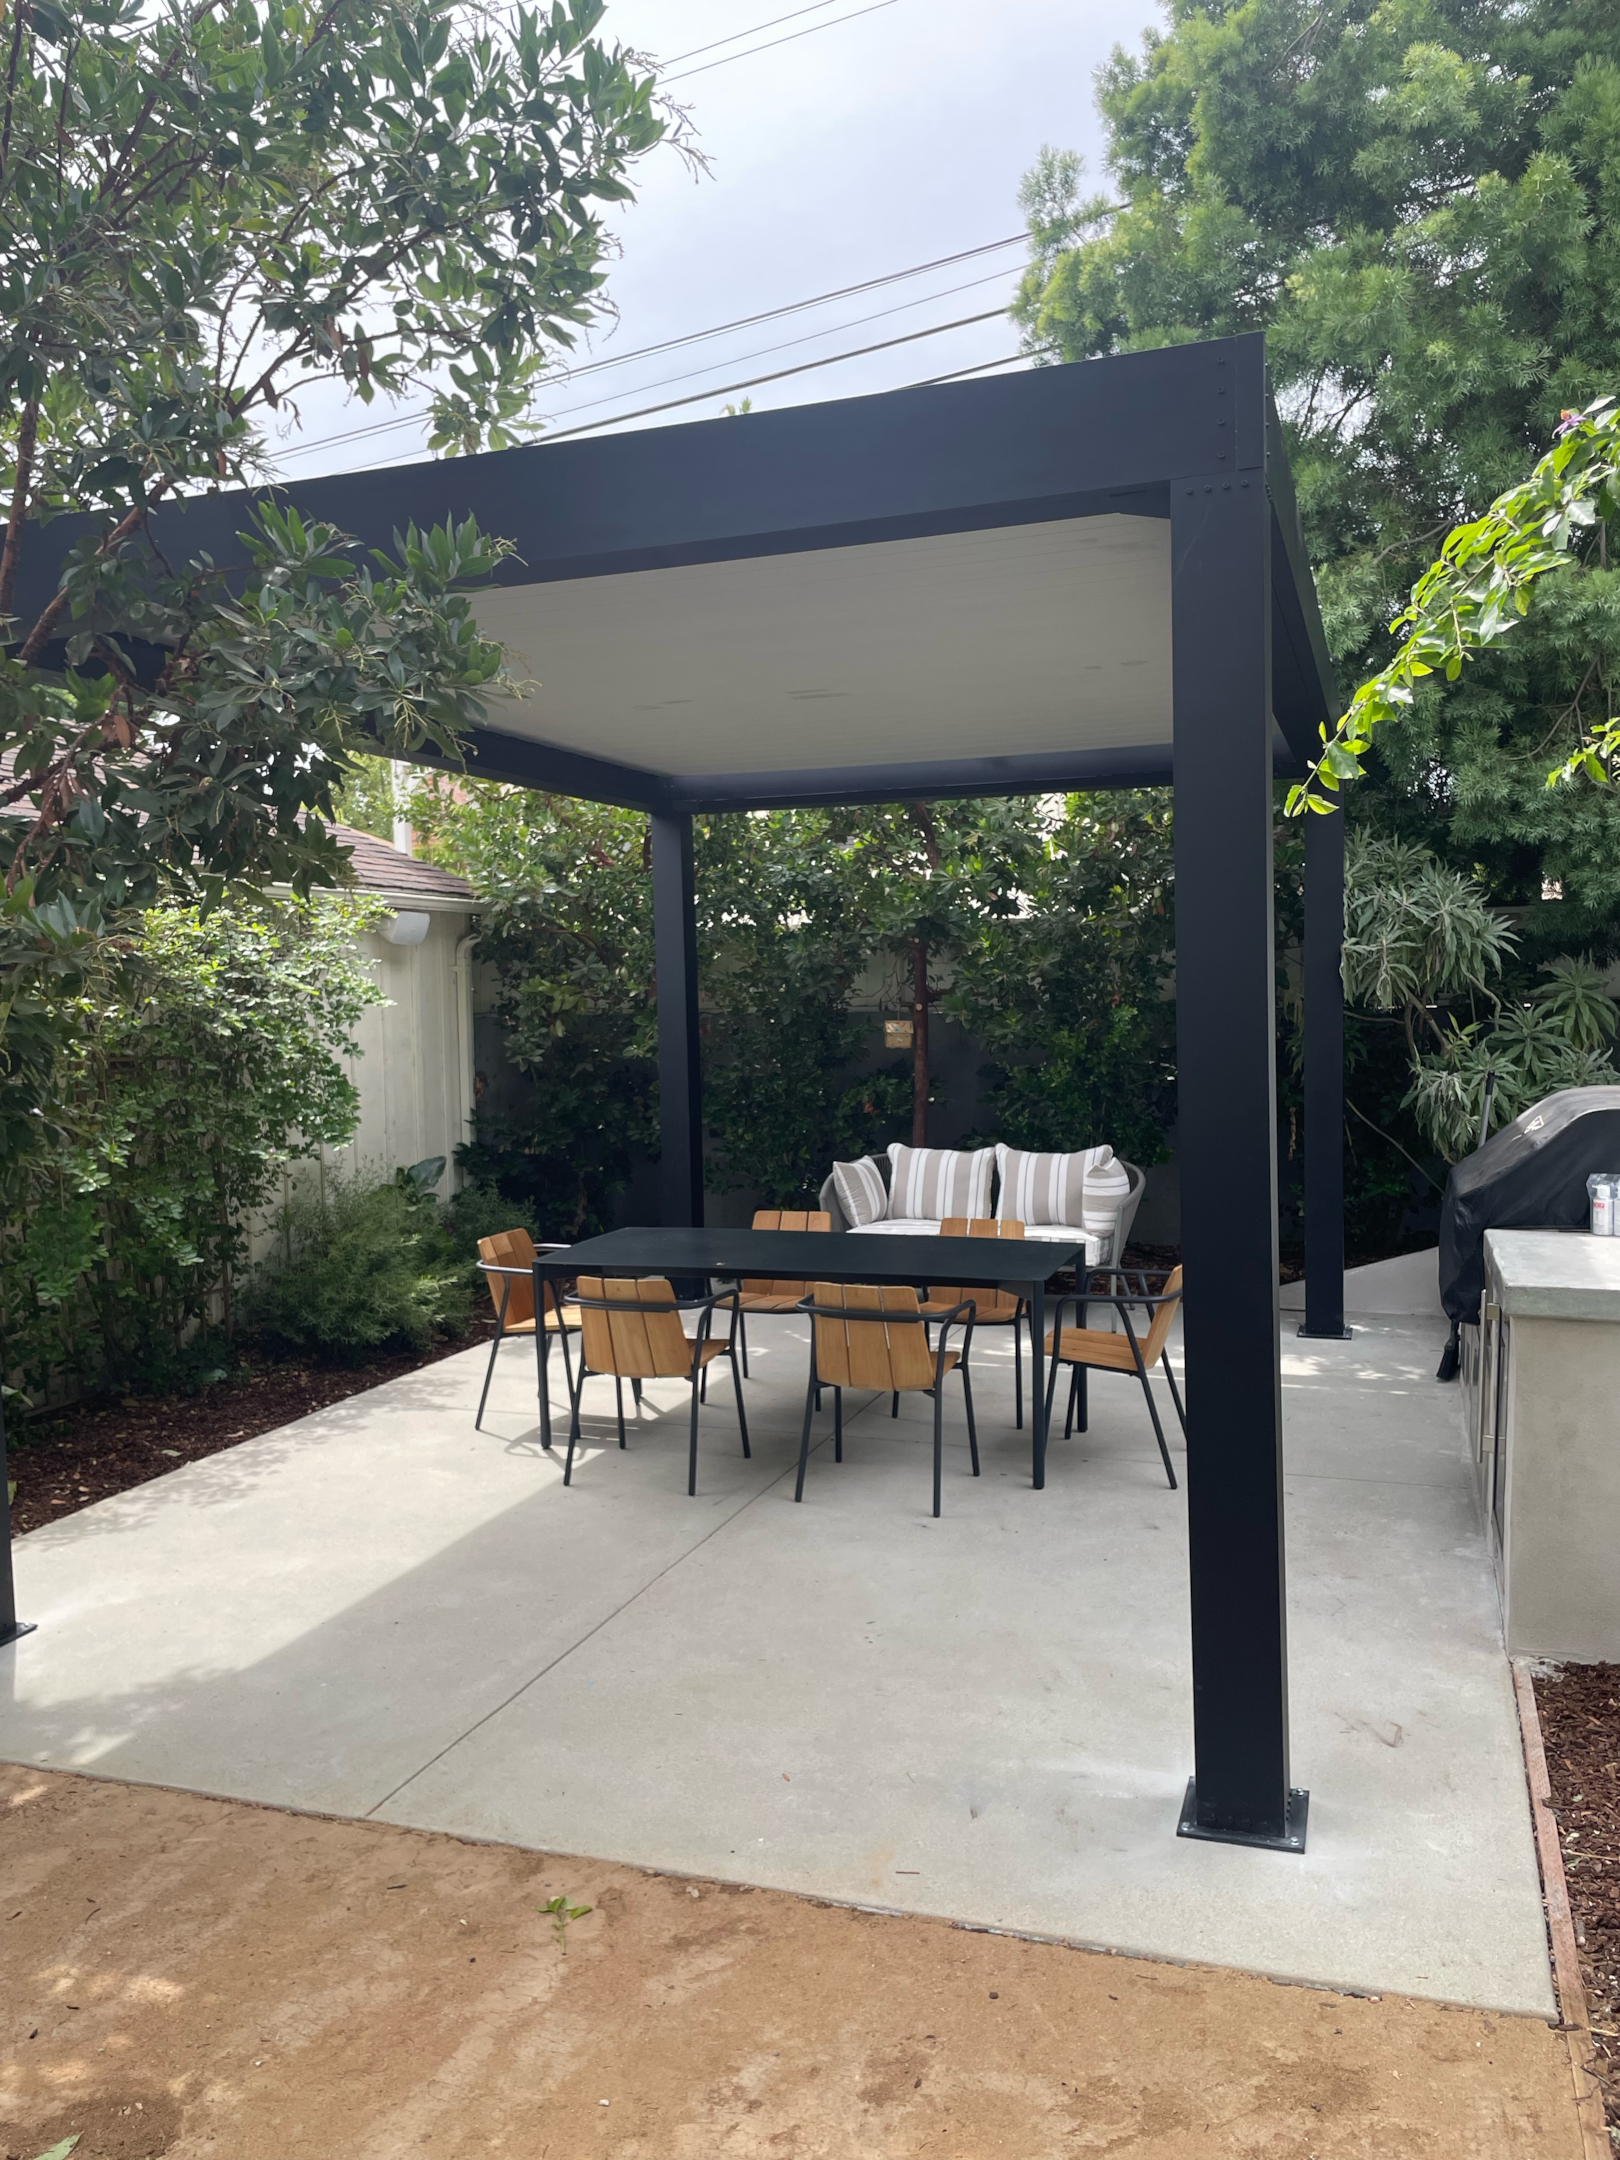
(1478, 589)
(1417, 202)
(205, 1056)
(205, 209)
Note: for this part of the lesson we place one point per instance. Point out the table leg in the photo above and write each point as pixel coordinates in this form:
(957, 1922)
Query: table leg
(542, 1344)
(1037, 1321)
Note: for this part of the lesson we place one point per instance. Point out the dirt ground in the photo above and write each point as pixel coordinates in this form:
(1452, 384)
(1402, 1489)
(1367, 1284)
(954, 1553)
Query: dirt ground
(103, 1446)
(191, 1978)
(1579, 1709)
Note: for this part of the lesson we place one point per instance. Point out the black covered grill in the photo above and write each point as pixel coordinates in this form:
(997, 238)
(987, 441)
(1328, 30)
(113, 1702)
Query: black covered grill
(1530, 1175)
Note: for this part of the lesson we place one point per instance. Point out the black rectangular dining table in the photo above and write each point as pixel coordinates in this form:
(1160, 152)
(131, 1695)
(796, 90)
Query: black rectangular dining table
(841, 1256)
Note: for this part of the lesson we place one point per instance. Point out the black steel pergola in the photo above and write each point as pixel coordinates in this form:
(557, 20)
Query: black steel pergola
(1089, 577)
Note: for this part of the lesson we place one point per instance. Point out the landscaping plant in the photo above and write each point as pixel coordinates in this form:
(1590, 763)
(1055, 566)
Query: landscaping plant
(1423, 946)
(359, 1261)
(202, 1055)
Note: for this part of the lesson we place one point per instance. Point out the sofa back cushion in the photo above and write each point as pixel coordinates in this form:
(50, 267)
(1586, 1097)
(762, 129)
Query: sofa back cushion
(927, 1184)
(861, 1192)
(1085, 1190)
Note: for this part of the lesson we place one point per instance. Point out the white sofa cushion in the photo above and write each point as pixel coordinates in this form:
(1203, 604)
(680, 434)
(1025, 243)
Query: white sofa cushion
(861, 1192)
(927, 1184)
(1037, 1189)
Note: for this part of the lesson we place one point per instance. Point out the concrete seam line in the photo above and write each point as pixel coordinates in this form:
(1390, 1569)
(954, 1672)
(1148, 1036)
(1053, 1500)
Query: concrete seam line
(1560, 1924)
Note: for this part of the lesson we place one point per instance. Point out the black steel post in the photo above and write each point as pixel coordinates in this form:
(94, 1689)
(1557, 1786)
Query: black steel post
(1324, 1077)
(10, 1626)
(680, 1084)
(1225, 1049)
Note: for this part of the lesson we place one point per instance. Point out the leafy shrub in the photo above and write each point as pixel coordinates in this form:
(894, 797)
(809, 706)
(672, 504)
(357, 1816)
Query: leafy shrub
(359, 1266)
(203, 1054)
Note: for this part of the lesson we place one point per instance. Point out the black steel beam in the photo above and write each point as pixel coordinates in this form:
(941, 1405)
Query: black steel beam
(1221, 535)
(680, 1078)
(1042, 772)
(1324, 1076)
(491, 754)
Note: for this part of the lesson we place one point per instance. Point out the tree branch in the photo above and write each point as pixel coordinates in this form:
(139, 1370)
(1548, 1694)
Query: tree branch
(27, 437)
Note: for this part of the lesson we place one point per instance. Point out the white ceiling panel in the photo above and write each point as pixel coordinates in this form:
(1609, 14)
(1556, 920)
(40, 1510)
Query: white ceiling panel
(1025, 638)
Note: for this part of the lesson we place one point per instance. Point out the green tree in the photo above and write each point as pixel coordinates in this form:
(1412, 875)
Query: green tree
(204, 210)
(1068, 987)
(204, 1057)
(565, 922)
(1417, 202)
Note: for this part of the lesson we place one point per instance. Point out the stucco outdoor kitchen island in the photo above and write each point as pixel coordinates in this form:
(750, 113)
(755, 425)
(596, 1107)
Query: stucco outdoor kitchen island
(1547, 1439)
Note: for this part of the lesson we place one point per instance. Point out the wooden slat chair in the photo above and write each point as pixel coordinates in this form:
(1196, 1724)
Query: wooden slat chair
(632, 1329)
(762, 1296)
(992, 1308)
(862, 1336)
(506, 1262)
(1106, 1350)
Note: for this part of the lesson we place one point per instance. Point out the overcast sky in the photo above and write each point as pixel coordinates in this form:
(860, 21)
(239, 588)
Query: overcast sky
(887, 137)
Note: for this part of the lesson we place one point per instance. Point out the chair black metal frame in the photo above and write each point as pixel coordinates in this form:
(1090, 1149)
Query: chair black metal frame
(699, 1369)
(876, 1317)
(1079, 1369)
(541, 1332)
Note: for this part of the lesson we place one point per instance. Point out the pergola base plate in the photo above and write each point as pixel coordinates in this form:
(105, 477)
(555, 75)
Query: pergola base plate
(13, 1629)
(1292, 1838)
(1314, 1334)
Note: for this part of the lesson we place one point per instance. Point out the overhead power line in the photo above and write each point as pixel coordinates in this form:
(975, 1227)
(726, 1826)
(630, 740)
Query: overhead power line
(753, 30)
(688, 375)
(771, 43)
(698, 397)
(690, 337)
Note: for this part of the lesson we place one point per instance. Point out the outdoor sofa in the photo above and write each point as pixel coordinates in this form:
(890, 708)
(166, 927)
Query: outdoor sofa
(1091, 1193)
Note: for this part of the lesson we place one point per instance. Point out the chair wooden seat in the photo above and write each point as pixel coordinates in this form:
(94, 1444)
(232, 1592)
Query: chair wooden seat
(556, 1322)
(631, 1329)
(1100, 1347)
(864, 1336)
(506, 1262)
(761, 1294)
(992, 1308)
(1110, 1350)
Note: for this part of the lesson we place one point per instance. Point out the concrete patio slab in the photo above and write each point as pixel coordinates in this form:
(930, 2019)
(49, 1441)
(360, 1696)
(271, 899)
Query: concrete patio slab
(378, 1611)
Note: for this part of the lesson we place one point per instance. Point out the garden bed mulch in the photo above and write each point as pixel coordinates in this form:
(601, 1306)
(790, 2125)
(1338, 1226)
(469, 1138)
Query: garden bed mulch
(100, 1447)
(1579, 1710)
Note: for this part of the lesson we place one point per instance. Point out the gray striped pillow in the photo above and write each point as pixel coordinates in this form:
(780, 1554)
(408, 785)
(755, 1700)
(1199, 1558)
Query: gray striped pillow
(1047, 1188)
(927, 1184)
(860, 1190)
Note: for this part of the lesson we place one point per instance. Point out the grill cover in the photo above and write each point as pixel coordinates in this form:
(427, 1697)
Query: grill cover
(1532, 1174)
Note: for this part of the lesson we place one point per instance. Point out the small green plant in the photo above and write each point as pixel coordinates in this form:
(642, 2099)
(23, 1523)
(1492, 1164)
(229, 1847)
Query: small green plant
(60, 2152)
(560, 1913)
(356, 1266)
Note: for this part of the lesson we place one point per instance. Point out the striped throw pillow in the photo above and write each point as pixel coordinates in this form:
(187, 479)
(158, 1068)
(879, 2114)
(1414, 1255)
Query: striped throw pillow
(1048, 1188)
(861, 1192)
(927, 1184)
(1108, 1187)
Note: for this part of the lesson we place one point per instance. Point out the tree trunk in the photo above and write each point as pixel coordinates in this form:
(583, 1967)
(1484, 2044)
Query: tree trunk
(919, 1043)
